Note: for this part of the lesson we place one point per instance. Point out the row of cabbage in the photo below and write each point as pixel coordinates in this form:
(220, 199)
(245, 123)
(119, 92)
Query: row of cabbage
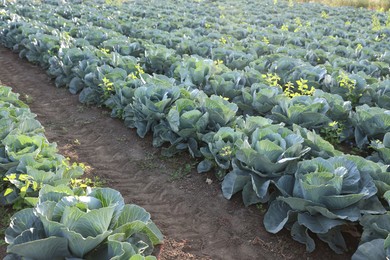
(253, 94)
(235, 34)
(371, 61)
(68, 218)
(254, 153)
(291, 49)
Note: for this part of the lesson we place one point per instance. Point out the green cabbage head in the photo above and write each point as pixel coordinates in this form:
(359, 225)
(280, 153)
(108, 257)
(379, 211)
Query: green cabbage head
(327, 195)
(74, 224)
(268, 156)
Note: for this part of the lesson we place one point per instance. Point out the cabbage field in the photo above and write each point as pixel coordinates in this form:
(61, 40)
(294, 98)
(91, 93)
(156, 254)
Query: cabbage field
(289, 104)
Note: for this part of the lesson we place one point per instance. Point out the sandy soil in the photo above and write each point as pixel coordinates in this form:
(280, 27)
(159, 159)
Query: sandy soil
(198, 223)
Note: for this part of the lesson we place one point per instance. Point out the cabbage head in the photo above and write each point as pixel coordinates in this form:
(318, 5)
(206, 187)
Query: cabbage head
(268, 156)
(326, 196)
(370, 123)
(307, 111)
(75, 224)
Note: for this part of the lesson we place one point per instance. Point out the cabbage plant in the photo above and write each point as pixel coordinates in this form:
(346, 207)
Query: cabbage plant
(192, 118)
(74, 224)
(40, 48)
(124, 46)
(370, 123)
(222, 145)
(349, 86)
(261, 98)
(159, 59)
(319, 147)
(268, 156)
(70, 66)
(381, 94)
(196, 72)
(378, 171)
(306, 111)
(151, 104)
(375, 240)
(181, 127)
(339, 110)
(228, 84)
(327, 195)
(122, 95)
(382, 149)
(28, 162)
(27, 159)
(221, 111)
(97, 82)
(220, 150)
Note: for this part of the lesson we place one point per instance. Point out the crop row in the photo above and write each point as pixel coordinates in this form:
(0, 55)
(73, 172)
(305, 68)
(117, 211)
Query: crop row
(216, 113)
(305, 46)
(216, 32)
(238, 86)
(68, 218)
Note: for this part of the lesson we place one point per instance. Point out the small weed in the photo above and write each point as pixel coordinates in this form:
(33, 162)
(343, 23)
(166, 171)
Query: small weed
(332, 132)
(80, 108)
(171, 166)
(261, 208)
(149, 162)
(376, 24)
(265, 40)
(28, 99)
(64, 129)
(350, 85)
(122, 138)
(106, 112)
(95, 181)
(300, 89)
(114, 2)
(89, 121)
(272, 79)
(181, 172)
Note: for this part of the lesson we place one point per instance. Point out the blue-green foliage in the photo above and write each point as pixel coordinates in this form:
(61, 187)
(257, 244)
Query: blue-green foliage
(66, 221)
(370, 123)
(326, 195)
(27, 159)
(268, 154)
(375, 241)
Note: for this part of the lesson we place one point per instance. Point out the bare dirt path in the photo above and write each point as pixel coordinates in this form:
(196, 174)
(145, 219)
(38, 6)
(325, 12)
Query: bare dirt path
(198, 223)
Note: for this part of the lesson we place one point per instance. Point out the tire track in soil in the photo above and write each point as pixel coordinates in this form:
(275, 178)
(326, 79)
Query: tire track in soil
(198, 223)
